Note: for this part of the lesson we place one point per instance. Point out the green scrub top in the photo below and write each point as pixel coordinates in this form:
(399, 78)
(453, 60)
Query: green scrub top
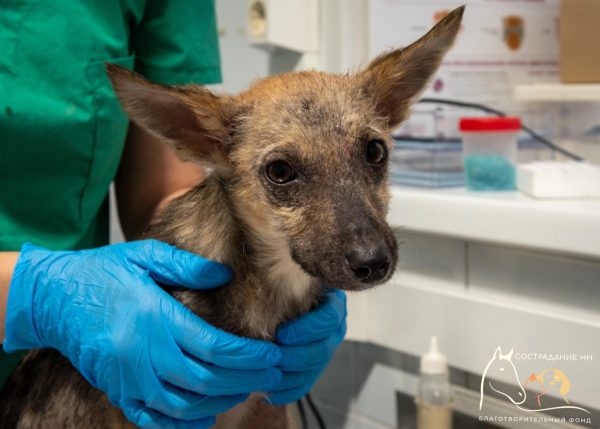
(62, 130)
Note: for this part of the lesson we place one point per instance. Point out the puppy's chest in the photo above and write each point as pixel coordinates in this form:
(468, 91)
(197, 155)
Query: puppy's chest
(249, 306)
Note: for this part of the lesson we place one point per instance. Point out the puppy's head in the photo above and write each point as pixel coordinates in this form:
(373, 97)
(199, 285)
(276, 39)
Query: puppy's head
(304, 155)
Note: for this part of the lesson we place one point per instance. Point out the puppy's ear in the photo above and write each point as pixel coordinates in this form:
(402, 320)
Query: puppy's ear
(394, 79)
(190, 118)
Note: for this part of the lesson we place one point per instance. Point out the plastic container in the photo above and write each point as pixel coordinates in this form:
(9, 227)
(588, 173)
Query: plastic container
(434, 393)
(427, 164)
(490, 152)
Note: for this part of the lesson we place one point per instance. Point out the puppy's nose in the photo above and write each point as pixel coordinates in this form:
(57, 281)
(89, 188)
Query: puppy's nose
(370, 264)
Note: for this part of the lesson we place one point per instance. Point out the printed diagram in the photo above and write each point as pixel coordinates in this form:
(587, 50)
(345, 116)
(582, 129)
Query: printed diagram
(514, 31)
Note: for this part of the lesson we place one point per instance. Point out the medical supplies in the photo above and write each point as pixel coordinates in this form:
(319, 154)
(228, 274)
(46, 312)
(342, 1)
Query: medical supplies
(490, 152)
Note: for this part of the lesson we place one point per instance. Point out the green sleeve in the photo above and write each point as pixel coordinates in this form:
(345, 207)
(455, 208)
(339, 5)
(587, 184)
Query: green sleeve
(176, 42)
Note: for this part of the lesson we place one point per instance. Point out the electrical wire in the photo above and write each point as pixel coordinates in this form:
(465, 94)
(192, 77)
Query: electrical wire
(429, 139)
(484, 108)
(302, 413)
(315, 412)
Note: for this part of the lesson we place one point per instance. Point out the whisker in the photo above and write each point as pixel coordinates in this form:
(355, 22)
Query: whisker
(407, 238)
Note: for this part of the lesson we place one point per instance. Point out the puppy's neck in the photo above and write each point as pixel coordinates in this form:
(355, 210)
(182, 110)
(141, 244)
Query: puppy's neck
(268, 288)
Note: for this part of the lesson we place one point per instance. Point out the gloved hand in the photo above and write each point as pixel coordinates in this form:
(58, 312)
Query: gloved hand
(155, 359)
(307, 345)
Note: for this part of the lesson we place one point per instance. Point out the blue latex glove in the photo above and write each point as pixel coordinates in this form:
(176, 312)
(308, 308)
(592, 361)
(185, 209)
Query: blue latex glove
(155, 359)
(308, 344)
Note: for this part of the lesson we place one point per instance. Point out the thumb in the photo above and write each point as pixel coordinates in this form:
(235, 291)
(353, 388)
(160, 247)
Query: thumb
(175, 267)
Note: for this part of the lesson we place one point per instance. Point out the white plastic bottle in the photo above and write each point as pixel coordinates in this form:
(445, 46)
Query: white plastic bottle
(434, 393)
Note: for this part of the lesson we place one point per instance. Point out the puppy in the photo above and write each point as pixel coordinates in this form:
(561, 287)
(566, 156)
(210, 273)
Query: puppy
(296, 199)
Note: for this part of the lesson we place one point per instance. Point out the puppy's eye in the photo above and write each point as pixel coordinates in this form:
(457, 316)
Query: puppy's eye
(280, 172)
(376, 152)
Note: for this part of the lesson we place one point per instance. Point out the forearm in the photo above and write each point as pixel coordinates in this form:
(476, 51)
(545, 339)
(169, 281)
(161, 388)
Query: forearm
(7, 265)
(149, 176)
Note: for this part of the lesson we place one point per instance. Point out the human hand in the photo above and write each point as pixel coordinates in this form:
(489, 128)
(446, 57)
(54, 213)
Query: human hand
(102, 308)
(307, 345)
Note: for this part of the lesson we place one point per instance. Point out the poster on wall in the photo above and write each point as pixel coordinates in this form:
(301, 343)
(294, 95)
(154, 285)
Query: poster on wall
(502, 43)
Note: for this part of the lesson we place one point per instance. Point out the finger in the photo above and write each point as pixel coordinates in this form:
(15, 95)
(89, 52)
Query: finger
(316, 325)
(297, 379)
(146, 418)
(311, 356)
(209, 344)
(185, 405)
(288, 396)
(175, 267)
(200, 377)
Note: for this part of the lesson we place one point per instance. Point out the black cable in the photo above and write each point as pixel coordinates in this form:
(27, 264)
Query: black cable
(428, 139)
(496, 112)
(302, 413)
(458, 103)
(315, 411)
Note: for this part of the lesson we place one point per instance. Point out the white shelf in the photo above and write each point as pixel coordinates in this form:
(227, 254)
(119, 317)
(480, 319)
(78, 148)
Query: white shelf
(557, 92)
(507, 218)
(402, 317)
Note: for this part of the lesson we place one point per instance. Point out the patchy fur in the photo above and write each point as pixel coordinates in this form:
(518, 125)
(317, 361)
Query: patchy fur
(285, 240)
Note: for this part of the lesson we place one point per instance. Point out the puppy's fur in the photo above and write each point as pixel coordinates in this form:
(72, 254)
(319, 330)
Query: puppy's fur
(284, 239)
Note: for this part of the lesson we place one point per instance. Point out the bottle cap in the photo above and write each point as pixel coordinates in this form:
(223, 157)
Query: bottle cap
(490, 124)
(434, 362)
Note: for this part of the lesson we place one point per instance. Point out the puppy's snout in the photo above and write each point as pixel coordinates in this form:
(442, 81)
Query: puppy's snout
(370, 264)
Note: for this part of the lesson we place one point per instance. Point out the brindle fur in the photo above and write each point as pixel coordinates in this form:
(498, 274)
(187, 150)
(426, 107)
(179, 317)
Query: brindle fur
(283, 242)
